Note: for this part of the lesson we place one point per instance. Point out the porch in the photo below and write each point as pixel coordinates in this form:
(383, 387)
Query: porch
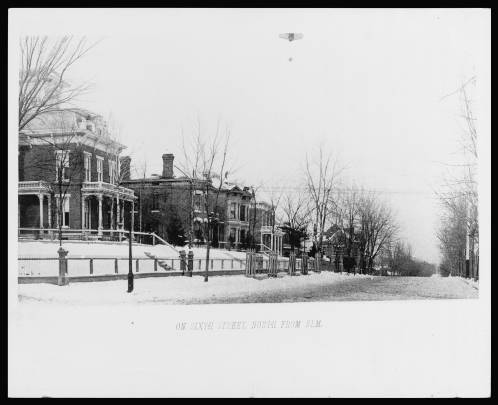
(103, 208)
(92, 210)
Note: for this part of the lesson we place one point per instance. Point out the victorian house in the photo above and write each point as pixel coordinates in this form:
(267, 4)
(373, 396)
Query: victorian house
(69, 175)
(170, 205)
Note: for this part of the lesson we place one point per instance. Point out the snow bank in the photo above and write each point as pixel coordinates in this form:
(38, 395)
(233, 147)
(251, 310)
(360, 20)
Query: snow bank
(170, 289)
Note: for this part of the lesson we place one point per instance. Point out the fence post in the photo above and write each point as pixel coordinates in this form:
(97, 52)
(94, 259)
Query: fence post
(136, 265)
(304, 263)
(190, 263)
(91, 266)
(116, 266)
(61, 279)
(292, 263)
(183, 261)
(155, 264)
(249, 264)
(318, 259)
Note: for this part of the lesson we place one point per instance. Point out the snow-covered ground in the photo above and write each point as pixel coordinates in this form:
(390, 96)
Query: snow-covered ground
(323, 286)
(91, 249)
(103, 254)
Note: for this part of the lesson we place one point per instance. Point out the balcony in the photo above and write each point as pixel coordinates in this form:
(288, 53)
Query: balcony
(112, 190)
(34, 187)
(266, 229)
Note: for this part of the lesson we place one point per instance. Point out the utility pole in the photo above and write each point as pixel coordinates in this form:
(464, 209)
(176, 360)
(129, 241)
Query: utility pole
(130, 260)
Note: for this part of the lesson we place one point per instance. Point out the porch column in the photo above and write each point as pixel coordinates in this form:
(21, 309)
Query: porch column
(117, 212)
(122, 214)
(100, 214)
(40, 198)
(49, 211)
(271, 241)
(112, 214)
(117, 218)
(83, 225)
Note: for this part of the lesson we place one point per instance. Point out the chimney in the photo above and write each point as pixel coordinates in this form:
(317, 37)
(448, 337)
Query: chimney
(168, 165)
(124, 167)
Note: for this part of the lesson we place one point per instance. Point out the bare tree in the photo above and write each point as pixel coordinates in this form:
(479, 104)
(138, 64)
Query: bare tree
(377, 228)
(459, 197)
(321, 179)
(296, 217)
(398, 255)
(253, 220)
(206, 159)
(348, 212)
(274, 199)
(43, 65)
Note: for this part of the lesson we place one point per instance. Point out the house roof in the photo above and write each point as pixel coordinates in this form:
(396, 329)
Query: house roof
(72, 121)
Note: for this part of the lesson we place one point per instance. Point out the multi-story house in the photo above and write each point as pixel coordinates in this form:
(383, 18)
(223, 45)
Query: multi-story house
(267, 228)
(171, 206)
(69, 175)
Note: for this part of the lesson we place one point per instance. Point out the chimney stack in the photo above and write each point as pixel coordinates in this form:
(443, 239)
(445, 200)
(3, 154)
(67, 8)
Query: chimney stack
(124, 167)
(168, 165)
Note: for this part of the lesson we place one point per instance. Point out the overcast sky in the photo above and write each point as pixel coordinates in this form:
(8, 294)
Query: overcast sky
(366, 84)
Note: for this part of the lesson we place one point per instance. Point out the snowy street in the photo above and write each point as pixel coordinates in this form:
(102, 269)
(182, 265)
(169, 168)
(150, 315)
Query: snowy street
(324, 286)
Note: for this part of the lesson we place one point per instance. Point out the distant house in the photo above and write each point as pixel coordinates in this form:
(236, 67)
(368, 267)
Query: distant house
(168, 204)
(76, 146)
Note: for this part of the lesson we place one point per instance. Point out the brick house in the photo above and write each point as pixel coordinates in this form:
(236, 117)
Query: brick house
(69, 172)
(164, 206)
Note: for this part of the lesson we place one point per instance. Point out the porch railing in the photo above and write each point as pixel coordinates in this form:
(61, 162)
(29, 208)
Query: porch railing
(100, 186)
(118, 235)
(24, 186)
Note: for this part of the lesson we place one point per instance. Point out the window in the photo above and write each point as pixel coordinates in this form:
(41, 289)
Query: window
(88, 166)
(233, 210)
(65, 211)
(198, 202)
(112, 172)
(100, 166)
(232, 234)
(243, 212)
(62, 165)
(155, 202)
